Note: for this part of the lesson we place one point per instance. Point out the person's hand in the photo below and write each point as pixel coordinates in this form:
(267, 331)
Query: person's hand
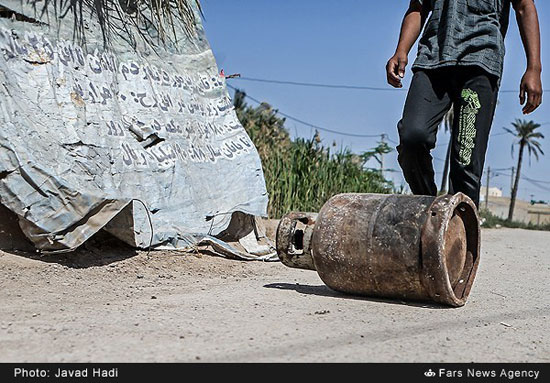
(530, 91)
(395, 69)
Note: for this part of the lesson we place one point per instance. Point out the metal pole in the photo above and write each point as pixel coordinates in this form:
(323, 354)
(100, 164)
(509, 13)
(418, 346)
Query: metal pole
(487, 188)
(382, 156)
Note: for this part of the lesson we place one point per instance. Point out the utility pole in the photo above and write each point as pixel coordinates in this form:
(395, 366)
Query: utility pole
(383, 141)
(487, 188)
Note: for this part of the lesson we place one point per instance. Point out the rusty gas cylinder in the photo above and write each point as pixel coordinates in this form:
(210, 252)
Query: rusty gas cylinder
(390, 246)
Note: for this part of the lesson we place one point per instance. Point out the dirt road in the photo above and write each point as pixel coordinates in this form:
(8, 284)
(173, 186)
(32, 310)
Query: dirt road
(111, 304)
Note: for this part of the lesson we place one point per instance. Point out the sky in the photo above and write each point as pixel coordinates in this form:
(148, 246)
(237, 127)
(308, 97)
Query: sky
(349, 42)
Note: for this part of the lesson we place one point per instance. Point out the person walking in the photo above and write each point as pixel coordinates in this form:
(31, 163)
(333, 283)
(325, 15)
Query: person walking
(459, 64)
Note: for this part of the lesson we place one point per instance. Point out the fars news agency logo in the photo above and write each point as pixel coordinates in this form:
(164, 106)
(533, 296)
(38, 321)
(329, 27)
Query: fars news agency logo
(430, 373)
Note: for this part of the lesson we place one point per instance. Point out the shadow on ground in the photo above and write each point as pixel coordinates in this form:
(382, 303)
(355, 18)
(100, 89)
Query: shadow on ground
(101, 250)
(324, 291)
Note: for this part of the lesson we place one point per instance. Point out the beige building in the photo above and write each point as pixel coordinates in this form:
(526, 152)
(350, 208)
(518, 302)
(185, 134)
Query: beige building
(493, 192)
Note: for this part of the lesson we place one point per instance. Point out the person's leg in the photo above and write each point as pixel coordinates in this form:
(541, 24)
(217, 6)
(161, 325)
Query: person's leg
(426, 105)
(475, 101)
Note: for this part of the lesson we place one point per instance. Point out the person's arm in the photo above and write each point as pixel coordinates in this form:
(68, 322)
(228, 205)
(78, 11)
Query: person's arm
(530, 92)
(410, 30)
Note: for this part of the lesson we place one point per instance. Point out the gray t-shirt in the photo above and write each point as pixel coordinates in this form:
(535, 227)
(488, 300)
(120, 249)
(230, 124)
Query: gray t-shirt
(465, 33)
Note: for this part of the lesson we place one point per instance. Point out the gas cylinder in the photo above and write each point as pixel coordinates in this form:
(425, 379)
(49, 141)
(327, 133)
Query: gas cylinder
(414, 248)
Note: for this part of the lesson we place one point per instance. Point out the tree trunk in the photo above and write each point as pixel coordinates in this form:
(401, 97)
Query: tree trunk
(516, 183)
(443, 189)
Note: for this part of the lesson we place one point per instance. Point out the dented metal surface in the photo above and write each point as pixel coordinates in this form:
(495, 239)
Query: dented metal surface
(391, 246)
(140, 140)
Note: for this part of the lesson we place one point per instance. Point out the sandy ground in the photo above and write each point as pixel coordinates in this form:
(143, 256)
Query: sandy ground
(107, 303)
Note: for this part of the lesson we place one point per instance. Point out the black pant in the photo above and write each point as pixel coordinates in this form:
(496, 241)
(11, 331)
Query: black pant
(473, 93)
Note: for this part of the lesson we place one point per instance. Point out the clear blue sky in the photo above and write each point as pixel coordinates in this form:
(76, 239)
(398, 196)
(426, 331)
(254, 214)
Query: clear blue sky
(349, 42)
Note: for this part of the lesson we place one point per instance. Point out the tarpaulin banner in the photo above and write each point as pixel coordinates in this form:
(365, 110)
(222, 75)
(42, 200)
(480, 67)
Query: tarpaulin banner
(138, 138)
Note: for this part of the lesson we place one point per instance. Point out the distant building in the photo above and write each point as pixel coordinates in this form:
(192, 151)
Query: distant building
(493, 192)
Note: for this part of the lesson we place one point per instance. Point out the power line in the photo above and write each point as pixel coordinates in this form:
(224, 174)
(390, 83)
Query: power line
(498, 134)
(534, 182)
(318, 85)
(502, 169)
(310, 124)
(338, 86)
(538, 181)
(537, 184)
(499, 172)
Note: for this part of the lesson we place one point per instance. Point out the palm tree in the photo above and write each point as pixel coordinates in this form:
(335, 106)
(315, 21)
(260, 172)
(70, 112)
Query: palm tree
(527, 138)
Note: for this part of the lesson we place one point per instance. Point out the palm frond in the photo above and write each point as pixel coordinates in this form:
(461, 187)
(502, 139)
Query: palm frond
(536, 146)
(532, 152)
(535, 135)
(114, 16)
(512, 132)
